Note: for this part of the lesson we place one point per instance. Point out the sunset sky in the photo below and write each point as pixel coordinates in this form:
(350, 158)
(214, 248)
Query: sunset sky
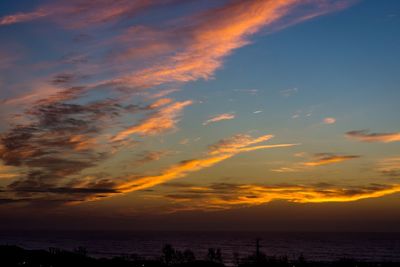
(200, 114)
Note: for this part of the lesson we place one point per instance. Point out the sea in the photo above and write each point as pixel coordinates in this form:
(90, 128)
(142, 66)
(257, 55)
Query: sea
(315, 246)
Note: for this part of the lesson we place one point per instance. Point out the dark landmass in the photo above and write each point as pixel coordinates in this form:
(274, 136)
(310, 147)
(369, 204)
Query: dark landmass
(11, 256)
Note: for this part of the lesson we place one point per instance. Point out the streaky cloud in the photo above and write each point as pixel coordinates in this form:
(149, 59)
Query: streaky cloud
(218, 152)
(329, 158)
(227, 196)
(83, 13)
(22, 17)
(365, 136)
(389, 167)
(219, 117)
(161, 121)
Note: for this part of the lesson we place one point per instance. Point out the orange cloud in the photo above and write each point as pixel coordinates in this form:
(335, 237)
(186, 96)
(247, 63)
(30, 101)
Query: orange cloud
(226, 196)
(163, 120)
(209, 37)
(161, 102)
(364, 136)
(222, 150)
(318, 160)
(235, 143)
(326, 158)
(7, 172)
(82, 142)
(220, 117)
(204, 41)
(164, 92)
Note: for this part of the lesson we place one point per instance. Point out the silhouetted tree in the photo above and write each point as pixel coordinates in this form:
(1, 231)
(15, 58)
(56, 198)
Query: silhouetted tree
(188, 256)
(81, 251)
(168, 254)
(214, 255)
(301, 261)
(236, 258)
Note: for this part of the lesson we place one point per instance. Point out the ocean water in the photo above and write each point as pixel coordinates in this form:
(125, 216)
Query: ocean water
(314, 246)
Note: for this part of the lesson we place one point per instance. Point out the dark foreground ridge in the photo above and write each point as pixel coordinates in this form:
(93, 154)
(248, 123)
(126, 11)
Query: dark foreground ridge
(11, 256)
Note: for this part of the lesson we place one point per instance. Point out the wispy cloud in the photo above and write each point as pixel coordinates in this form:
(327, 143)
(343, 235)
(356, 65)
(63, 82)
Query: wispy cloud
(329, 120)
(316, 160)
(150, 156)
(218, 152)
(365, 136)
(219, 117)
(7, 172)
(163, 120)
(389, 166)
(22, 17)
(328, 158)
(248, 91)
(213, 35)
(227, 196)
(289, 92)
(83, 13)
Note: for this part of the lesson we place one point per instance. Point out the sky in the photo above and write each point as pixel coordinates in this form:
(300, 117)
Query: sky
(200, 115)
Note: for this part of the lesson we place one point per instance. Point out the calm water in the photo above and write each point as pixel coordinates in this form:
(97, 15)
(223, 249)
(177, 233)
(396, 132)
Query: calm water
(315, 246)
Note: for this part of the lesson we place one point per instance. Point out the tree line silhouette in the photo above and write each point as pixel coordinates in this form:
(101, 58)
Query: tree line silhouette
(12, 256)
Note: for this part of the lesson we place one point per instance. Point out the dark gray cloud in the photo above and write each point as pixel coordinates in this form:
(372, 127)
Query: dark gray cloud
(59, 141)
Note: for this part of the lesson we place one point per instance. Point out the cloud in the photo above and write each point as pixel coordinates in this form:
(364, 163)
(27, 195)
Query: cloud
(289, 92)
(285, 169)
(328, 158)
(316, 160)
(364, 136)
(7, 172)
(59, 141)
(7, 175)
(227, 196)
(49, 173)
(247, 91)
(149, 156)
(220, 117)
(83, 13)
(214, 35)
(389, 166)
(164, 93)
(22, 17)
(218, 152)
(71, 123)
(163, 120)
(329, 120)
(208, 37)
